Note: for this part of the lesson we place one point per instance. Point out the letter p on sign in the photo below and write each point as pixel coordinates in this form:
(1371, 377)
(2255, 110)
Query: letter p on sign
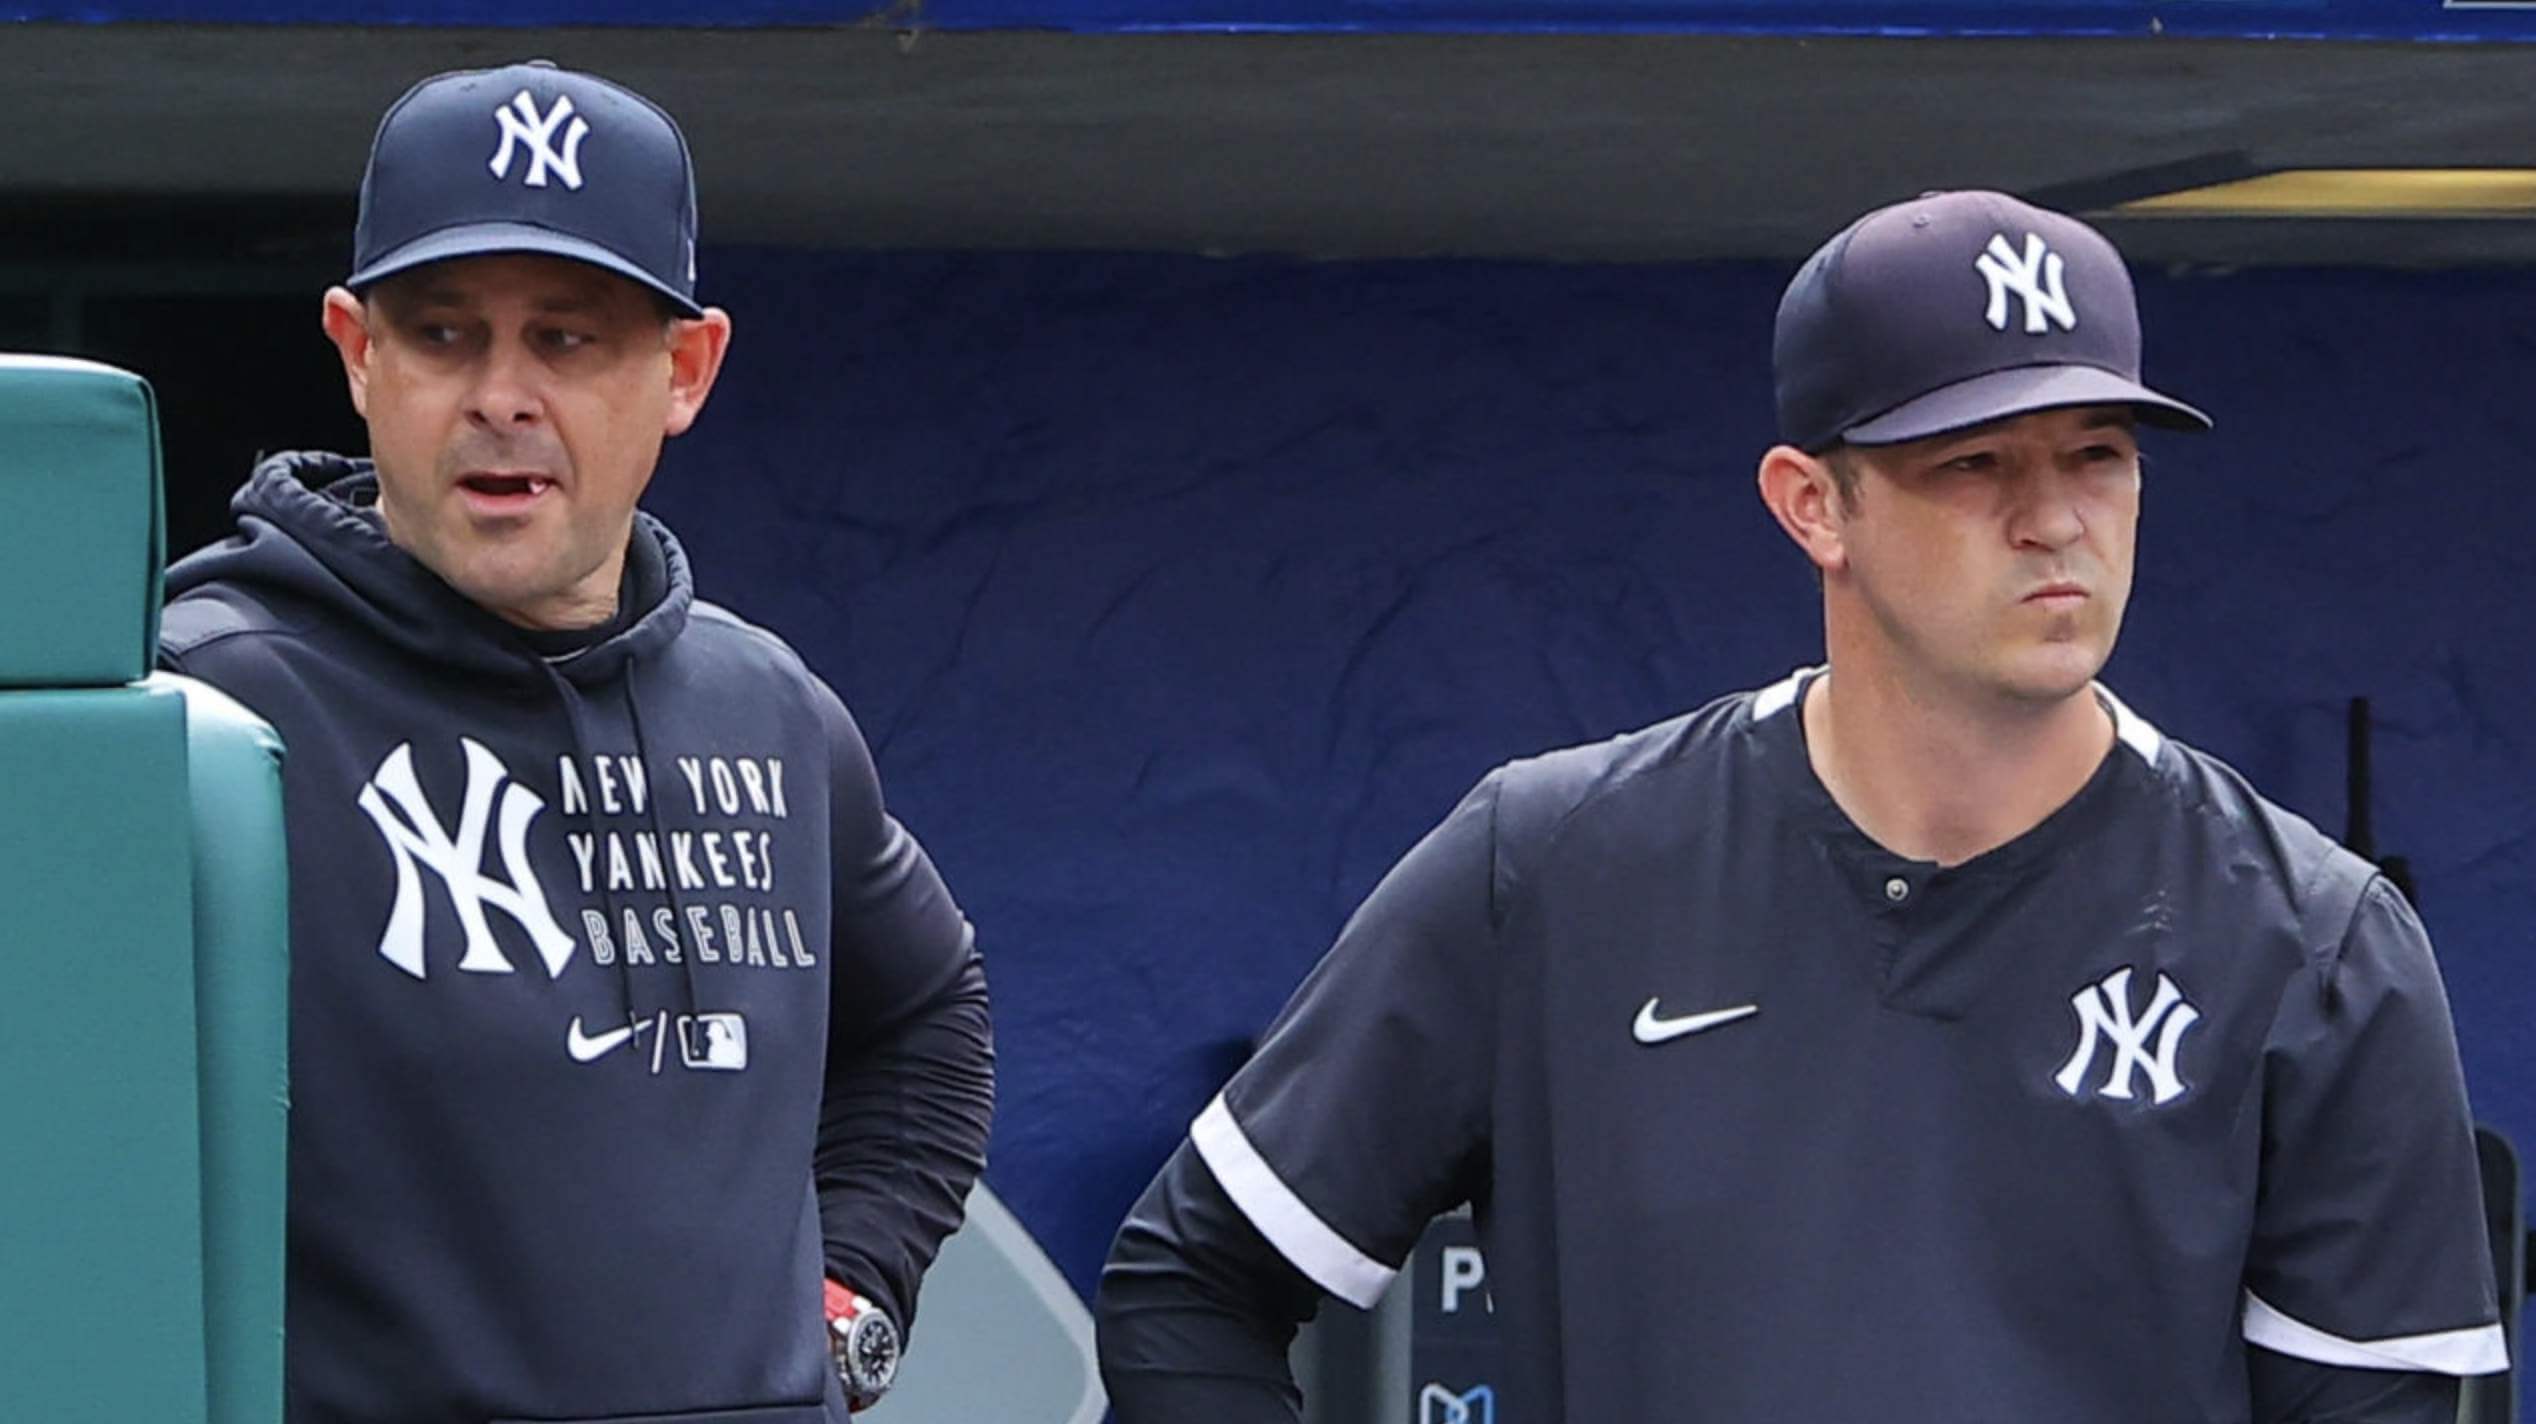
(1463, 1270)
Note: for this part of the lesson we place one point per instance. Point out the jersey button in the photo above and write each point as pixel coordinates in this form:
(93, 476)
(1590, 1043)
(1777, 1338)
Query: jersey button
(1897, 890)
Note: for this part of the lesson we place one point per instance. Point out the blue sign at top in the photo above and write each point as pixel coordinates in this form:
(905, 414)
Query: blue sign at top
(2335, 19)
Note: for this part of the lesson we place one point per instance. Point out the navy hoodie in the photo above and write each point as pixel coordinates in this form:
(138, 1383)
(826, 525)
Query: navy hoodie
(620, 1007)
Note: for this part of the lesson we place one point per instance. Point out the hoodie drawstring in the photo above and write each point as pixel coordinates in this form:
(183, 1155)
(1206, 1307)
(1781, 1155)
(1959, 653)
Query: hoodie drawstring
(677, 906)
(571, 700)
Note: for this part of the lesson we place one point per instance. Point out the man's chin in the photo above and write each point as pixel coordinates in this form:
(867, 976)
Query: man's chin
(516, 595)
(2049, 676)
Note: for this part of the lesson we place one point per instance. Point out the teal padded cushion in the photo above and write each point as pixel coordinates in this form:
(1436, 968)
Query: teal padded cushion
(101, 1208)
(242, 1000)
(82, 536)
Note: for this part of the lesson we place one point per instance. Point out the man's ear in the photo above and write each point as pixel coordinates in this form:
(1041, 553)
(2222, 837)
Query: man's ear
(347, 325)
(1803, 494)
(696, 348)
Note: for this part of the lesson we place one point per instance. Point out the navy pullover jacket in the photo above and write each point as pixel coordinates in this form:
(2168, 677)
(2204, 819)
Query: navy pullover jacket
(2151, 1115)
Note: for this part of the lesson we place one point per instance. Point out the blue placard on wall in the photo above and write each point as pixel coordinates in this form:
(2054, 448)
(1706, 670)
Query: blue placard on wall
(2340, 19)
(1453, 1340)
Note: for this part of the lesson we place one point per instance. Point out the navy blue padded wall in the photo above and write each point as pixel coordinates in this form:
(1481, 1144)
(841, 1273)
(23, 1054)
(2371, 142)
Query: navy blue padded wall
(1179, 596)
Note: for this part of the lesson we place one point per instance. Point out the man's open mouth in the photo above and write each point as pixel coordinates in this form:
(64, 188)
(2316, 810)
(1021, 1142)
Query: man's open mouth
(506, 486)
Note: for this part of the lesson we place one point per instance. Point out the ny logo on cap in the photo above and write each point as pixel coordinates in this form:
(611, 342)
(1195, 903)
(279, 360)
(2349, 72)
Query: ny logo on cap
(2035, 277)
(522, 125)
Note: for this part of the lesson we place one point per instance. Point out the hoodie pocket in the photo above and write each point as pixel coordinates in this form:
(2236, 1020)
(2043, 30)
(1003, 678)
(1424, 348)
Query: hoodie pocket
(759, 1415)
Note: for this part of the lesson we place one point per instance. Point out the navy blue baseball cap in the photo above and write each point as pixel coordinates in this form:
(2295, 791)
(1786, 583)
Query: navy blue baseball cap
(530, 158)
(1953, 310)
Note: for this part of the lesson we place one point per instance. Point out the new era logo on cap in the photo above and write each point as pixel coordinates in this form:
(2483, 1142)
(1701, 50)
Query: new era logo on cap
(1953, 310)
(530, 158)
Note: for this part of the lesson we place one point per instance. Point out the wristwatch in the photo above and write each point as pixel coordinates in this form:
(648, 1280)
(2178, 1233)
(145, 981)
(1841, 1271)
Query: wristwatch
(863, 1341)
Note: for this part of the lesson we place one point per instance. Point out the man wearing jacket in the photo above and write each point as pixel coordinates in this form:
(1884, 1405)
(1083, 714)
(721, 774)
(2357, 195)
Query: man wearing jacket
(640, 1059)
(1924, 1038)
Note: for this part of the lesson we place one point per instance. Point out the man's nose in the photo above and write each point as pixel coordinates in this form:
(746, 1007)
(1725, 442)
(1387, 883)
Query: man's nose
(505, 395)
(2046, 515)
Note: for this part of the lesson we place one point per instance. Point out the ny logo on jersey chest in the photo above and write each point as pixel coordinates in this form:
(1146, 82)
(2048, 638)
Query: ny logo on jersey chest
(2105, 1018)
(493, 805)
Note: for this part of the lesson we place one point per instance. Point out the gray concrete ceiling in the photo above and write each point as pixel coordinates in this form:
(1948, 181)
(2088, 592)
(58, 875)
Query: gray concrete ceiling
(1593, 148)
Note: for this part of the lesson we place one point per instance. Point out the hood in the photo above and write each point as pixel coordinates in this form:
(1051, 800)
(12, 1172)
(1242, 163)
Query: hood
(308, 528)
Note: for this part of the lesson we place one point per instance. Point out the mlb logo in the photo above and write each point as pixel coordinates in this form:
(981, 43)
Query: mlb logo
(1438, 1405)
(716, 1042)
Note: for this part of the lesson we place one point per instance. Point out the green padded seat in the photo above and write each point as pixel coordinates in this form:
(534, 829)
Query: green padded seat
(144, 950)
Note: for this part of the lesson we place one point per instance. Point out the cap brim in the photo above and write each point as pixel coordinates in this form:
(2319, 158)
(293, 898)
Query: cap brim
(487, 239)
(1998, 395)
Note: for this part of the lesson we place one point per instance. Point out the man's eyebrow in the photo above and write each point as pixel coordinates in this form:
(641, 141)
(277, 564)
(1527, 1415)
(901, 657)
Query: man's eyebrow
(425, 297)
(568, 303)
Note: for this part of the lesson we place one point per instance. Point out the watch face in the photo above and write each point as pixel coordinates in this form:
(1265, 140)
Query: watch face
(866, 1350)
(875, 1346)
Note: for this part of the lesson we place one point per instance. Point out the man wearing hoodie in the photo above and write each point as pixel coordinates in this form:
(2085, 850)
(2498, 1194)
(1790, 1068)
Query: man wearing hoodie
(640, 1060)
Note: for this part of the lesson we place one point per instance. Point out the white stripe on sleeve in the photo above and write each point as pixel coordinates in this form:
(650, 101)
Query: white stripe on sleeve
(2476, 1350)
(1297, 1231)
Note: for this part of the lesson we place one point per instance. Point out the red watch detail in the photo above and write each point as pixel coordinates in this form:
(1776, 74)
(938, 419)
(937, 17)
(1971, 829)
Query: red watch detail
(862, 1342)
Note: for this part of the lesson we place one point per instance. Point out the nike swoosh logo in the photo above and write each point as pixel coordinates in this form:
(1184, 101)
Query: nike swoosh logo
(584, 1047)
(1651, 1029)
